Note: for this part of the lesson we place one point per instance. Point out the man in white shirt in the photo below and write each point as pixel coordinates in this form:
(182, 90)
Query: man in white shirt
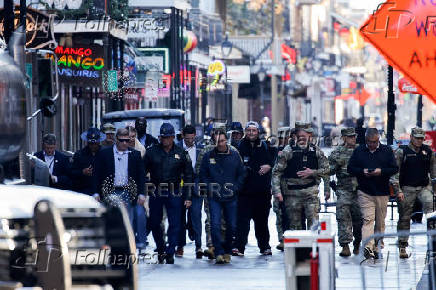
(120, 174)
(193, 225)
(58, 164)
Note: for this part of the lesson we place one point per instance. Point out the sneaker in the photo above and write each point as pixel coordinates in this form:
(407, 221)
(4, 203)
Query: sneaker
(199, 253)
(345, 251)
(170, 259)
(368, 253)
(209, 253)
(179, 252)
(227, 258)
(237, 253)
(356, 249)
(281, 246)
(267, 252)
(403, 253)
(220, 259)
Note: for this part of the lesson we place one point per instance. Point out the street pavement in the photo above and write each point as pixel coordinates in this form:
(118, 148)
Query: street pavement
(254, 271)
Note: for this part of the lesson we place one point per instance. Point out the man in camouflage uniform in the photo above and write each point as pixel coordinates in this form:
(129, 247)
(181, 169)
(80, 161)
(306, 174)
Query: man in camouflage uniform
(348, 212)
(209, 252)
(296, 171)
(417, 165)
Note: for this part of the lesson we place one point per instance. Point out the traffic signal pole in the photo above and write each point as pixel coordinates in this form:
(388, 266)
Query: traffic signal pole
(391, 107)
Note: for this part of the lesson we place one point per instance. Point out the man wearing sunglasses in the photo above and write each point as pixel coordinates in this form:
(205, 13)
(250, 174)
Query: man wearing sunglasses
(119, 174)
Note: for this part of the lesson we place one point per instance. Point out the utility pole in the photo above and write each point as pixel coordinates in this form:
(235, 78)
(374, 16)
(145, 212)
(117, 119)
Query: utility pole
(419, 112)
(391, 107)
(274, 81)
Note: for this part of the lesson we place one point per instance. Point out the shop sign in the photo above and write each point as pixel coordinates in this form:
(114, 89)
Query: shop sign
(216, 68)
(81, 64)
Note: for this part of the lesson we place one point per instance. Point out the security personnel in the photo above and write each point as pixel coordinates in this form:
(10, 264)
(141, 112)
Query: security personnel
(417, 163)
(167, 163)
(299, 167)
(83, 167)
(348, 212)
(217, 127)
(237, 132)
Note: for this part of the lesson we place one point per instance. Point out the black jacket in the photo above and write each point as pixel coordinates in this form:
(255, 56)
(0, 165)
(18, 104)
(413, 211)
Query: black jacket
(382, 158)
(226, 170)
(169, 167)
(83, 159)
(105, 169)
(61, 169)
(149, 141)
(253, 157)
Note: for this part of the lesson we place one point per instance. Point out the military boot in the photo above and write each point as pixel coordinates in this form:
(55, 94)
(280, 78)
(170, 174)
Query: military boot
(345, 251)
(281, 246)
(356, 248)
(209, 253)
(220, 259)
(227, 258)
(403, 253)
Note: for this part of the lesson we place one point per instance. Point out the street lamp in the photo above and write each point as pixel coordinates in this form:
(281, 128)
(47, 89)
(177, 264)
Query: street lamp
(226, 47)
(226, 50)
(261, 75)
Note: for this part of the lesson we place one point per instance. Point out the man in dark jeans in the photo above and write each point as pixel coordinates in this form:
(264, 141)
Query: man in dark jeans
(254, 200)
(222, 172)
(373, 164)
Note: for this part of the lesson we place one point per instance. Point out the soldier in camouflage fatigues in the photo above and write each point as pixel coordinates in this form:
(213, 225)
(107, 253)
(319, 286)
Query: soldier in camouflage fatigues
(348, 212)
(297, 169)
(210, 251)
(417, 165)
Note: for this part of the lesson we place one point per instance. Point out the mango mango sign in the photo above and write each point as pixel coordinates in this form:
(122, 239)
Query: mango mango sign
(81, 64)
(404, 32)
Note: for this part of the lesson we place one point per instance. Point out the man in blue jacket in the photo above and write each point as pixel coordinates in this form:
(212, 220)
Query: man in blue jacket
(222, 172)
(373, 164)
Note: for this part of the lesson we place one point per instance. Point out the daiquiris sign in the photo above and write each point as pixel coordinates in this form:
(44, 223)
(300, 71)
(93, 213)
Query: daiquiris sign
(81, 64)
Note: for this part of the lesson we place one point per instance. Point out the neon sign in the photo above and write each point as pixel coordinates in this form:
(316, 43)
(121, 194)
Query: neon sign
(81, 64)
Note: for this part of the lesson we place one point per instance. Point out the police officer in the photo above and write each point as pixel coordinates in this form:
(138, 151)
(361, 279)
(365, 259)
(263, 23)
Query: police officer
(82, 169)
(166, 163)
(348, 212)
(299, 167)
(417, 163)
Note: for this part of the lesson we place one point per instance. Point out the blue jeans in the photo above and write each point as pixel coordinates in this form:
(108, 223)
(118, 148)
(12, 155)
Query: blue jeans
(229, 209)
(140, 224)
(173, 206)
(129, 207)
(197, 204)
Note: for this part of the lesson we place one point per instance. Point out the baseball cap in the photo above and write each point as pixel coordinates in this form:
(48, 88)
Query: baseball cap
(167, 130)
(418, 132)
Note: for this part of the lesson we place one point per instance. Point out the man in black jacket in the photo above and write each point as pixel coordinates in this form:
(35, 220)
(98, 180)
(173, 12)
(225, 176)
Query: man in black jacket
(141, 129)
(119, 174)
(83, 168)
(254, 200)
(167, 163)
(58, 164)
(373, 164)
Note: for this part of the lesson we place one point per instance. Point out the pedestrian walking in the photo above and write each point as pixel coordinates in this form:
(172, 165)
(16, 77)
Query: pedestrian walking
(119, 175)
(223, 173)
(298, 168)
(417, 166)
(83, 167)
(59, 165)
(191, 217)
(254, 199)
(348, 213)
(167, 164)
(141, 129)
(109, 130)
(373, 164)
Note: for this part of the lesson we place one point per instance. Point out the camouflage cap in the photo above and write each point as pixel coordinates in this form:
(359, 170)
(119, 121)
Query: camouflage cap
(108, 128)
(418, 132)
(303, 126)
(348, 132)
